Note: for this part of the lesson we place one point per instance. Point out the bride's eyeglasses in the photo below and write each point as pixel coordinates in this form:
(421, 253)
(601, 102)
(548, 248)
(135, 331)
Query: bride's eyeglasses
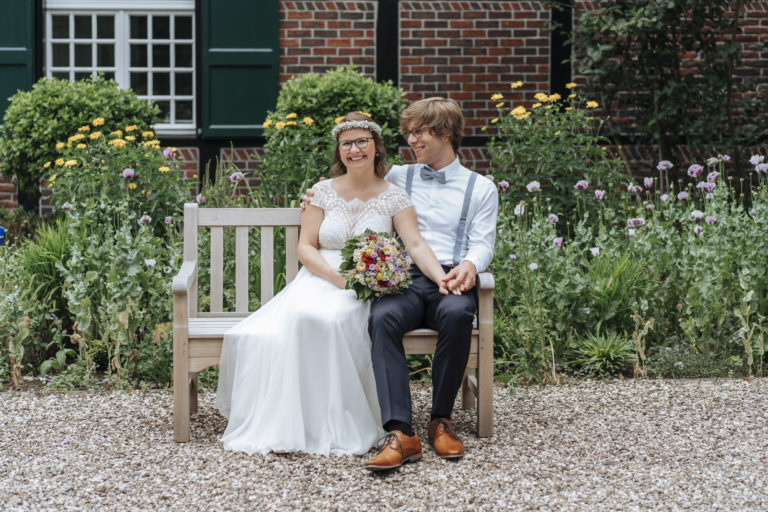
(361, 143)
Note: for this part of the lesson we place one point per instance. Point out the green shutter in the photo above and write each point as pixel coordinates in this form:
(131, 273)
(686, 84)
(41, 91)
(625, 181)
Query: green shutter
(17, 48)
(239, 66)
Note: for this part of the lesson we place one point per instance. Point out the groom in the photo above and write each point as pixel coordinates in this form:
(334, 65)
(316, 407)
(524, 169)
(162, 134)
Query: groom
(456, 212)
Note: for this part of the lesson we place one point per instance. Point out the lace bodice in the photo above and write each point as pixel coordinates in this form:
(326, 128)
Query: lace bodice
(343, 220)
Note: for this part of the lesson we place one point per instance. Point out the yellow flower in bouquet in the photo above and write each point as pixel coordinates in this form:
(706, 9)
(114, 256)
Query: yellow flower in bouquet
(375, 264)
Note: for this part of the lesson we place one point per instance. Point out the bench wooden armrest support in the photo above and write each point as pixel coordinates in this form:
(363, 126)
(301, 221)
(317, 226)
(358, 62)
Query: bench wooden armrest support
(198, 336)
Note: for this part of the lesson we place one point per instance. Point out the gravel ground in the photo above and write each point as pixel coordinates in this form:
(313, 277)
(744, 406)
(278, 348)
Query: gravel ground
(648, 445)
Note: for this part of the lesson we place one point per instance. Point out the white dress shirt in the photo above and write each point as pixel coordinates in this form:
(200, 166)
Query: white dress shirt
(438, 208)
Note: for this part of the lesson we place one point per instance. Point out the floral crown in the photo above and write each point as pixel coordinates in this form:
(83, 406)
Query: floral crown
(351, 125)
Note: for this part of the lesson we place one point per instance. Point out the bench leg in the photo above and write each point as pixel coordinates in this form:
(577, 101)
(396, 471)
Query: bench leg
(181, 388)
(467, 393)
(193, 393)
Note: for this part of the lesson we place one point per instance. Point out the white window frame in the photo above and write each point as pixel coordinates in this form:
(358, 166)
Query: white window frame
(121, 10)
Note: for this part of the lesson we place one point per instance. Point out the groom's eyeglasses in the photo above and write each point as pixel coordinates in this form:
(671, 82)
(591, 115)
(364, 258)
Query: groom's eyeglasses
(361, 143)
(418, 132)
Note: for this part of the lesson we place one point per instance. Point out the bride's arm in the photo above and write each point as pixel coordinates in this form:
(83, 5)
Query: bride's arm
(408, 229)
(308, 247)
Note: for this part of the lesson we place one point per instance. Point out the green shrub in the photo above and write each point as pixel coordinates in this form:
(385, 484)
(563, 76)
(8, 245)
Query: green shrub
(121, 169)
(19, 224)
(35, 120)
(604, 355)
(299, 149)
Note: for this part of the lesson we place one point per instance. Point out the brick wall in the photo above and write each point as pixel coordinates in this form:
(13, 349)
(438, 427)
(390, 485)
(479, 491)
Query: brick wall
(8, 196)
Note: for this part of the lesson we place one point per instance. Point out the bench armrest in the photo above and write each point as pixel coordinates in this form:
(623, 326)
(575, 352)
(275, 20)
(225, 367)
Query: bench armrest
(182, 282)
(485, 281)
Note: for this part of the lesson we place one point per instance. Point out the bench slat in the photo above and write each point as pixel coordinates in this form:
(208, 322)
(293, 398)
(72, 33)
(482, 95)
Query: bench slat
(217, 268)
(291, 253)
(241, 268)
(267, 264)
(249, 217)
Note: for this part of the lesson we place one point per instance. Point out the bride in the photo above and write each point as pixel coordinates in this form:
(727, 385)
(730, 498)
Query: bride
(296, 375)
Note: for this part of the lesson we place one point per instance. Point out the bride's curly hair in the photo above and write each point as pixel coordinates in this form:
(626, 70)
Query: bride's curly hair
(380, 159)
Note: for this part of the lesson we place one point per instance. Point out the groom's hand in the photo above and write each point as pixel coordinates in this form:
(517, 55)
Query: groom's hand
(307, 197)
(461, 278)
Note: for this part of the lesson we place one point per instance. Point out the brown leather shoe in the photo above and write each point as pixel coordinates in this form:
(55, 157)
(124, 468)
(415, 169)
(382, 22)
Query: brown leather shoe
(444, 440)
(396, 449)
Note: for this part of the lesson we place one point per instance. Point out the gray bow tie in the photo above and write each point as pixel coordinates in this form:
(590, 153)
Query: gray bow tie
(427, 173)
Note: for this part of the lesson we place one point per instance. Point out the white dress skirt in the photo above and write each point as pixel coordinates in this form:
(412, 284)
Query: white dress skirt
(296, 375)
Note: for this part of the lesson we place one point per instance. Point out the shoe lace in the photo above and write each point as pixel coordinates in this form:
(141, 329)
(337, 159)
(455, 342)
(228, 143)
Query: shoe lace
(447, 427)
(390, 440)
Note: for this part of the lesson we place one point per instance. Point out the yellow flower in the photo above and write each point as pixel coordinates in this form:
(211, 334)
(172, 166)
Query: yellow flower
(267, 123)
(76, 137)
(592, 104)
(292, 115)
(338, 119)
(81, 146)
(52, 178)
(308, 121)
(144, 192)
(494, 120)
(154, 143)
(568, 109)
(536, 105)
(47, 165)
(518, 111)
(148, 134)
(70, 163)
(131, 185)
(482, 129)
(604, 148)
(524, 115)
(554, 97)
(540, 96)
(279, 125)
(95, 135)
(497, 96)
(164, 169)
(59, 145)
(130, 128)
(119, 133)
(570, 85)
(59, 161)
(117, 143)
(85, 128)
(98, 121)
(571, 95)
(515, 85)
(499, 105)
(548, 107)
(130, 138)
(557, 132)
(194, 176)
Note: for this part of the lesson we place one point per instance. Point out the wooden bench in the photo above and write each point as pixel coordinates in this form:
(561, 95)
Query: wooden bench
(198, 336)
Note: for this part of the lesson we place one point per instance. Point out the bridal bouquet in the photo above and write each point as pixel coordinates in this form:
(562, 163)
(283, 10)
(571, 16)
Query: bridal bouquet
(375, 264)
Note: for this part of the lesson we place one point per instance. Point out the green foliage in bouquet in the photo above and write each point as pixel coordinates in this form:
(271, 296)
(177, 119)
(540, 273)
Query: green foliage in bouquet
(375, 264)
(299, 149)
(52, 111)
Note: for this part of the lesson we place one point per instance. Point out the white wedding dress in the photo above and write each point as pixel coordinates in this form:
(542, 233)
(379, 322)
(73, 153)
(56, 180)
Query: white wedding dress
(296, 375)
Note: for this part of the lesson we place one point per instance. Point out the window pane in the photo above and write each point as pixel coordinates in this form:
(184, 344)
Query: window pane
(109, 75)
(64, 75)
(183, 111)
(138, 56)
(183, 55)
(105, 55)
(183, 27)
(161, 27)
(83, 27)
(60, 27)
(138, 27)
(165, 111)
(60, 55)
(139, 83)
(82, 75)
(105, 26)
(83, 56)
(161, 83)
(183, 84)
(161, 55)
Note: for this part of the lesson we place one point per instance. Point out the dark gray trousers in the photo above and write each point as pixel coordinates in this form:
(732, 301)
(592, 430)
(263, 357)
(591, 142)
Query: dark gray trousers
(421, 305)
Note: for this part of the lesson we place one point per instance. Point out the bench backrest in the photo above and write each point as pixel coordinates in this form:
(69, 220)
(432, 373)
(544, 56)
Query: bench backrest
(241, 219)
